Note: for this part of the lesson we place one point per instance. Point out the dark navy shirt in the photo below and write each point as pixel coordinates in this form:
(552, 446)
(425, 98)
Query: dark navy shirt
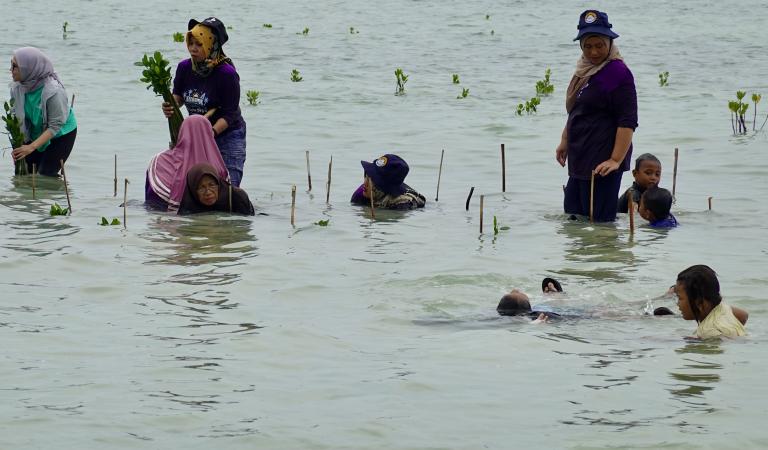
(668, 222)
(607, 101)
(220, 89)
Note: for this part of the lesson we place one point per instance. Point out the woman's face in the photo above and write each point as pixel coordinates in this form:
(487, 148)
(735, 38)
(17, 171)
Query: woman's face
(683, 303)
(15, 70)
(196, 50)
(207, 191)
(595, 49)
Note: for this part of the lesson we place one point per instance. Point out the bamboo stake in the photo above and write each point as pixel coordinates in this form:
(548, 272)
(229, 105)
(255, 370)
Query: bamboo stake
(125, 204)
(503, 169)
(709, 200)
(370, 195)
(309, 176)
(328, 183)
(115, 194)
(631, 210)
(482, 198)
(293, 205)
(34, 194)
(592, 198)
(439, 174)
(230, 198)
(469, 197)
(674, 177)
(66, 188)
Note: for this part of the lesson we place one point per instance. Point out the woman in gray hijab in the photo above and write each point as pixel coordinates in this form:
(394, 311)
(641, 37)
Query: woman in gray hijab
(40, 103)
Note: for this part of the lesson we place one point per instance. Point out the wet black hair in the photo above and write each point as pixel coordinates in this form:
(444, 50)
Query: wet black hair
(646, 157)
(513, 305)
(701, 285)
(658, 201)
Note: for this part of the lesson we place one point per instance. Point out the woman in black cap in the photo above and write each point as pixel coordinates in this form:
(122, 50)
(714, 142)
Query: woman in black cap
(208, 84)
(387, 174)
(602, 116)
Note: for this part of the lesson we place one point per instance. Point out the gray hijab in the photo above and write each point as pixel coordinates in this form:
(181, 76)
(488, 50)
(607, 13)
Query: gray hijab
(36, 70)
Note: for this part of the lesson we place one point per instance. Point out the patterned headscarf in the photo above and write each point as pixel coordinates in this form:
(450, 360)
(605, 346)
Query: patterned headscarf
(214, 54)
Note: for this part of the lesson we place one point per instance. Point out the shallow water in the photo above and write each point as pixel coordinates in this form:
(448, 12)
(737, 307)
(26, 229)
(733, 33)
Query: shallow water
(245, 332)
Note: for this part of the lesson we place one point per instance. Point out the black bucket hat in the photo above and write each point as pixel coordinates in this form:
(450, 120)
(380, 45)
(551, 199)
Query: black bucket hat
(594, 22)
(388, 173)
(545, 285)
(214, 24)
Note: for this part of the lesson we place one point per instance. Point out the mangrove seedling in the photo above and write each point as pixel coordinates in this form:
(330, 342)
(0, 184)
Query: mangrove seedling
(663, 78)
(295, 76)
(105, 222)
(305, 32)
(544, 87)
(253, 97)
(64, 29)
(455, 78)
(57, 210)
(402, 78)
(529, 106)
(497, 228)
(353, 31)
(266, 25)
(487, 17)
(15, 135)
(178, 37)
(322, 223)
(755, 99)
(464, 93)
(733, 106)
(157, 74)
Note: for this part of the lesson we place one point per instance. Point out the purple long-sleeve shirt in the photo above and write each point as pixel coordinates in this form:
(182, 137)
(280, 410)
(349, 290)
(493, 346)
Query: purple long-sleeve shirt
(220, 89)
(606, 102)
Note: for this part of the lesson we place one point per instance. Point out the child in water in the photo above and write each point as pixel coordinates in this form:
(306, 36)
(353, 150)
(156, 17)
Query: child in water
(647, 173)
(387, 174)
(698, 297)
(654, 207)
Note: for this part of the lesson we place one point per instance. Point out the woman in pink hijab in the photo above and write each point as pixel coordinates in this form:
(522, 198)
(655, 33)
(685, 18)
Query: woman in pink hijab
(167, 172)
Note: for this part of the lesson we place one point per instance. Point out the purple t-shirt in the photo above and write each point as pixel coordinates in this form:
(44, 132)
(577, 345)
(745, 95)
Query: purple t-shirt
(220, 89)
(607, 101)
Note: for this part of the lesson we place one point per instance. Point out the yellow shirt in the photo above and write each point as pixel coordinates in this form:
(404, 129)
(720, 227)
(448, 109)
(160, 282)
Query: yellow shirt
(720, 322)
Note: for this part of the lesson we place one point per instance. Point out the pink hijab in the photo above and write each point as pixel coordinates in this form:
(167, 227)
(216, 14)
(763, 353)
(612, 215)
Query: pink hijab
(167, 173)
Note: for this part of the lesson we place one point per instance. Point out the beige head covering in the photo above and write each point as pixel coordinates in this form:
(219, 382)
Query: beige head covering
(585, 69)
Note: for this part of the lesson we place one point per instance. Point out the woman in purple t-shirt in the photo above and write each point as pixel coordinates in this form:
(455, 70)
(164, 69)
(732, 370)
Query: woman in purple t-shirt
(208, 84)
(602, 116)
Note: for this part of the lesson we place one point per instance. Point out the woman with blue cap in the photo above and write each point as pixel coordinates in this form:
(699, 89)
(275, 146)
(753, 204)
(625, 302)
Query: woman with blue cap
(387, 175)
(601, 102)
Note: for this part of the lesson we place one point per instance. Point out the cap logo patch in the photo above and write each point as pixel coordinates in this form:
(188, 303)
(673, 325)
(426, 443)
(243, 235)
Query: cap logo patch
(590, 17)
(381, 162)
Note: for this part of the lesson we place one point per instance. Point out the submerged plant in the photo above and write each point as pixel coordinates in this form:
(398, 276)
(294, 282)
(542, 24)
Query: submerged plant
(464, 93)
(15, 135)
(178, 37)
(253, 97)
(157, 74)
(663, 78)
(353, 31)
(455, 78)
(323, 223)
(57, 210)
(104, 222)
(266, 25)
(295, 76)
(544, 87)
(402, 78)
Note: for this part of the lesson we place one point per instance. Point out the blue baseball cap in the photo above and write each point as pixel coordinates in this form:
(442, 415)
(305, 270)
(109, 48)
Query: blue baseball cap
(594, 22)
(388, 173)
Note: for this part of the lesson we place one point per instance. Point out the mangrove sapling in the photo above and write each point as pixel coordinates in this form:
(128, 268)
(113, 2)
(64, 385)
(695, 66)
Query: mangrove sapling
(544, 87)
(266, 25)
(529, 106)
(157, 74)
(178, 37)
(15, 135)
(487, 17)
(295, 76)
(455, 78)
(402, 78)
(755, 99)
(105, 222)
(322, 223)
(304, 32)
(64, 27)
(464, 93)
(733, 106)
(352, 30)
(742, 111)
(497, 228)
(57, 210)
(253, 97)
(663, 79)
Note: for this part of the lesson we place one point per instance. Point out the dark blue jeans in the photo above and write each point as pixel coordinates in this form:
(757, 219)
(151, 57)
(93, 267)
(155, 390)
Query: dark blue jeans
(606, 197)
(232, 147)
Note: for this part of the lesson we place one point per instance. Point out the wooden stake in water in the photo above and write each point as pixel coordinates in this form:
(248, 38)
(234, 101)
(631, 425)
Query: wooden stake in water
(115, 195)
(66, 188)
(328, 183)
(439, 174)
(230, 198)
(503, 169)
(370, 195)
(34, 194)
(482, 199)
(293, 205)
(592, 198)
(309, 175)
(125, 204)
(631, 211)
(469, 197)
(72, 103)
(709, 200)
(674, 176)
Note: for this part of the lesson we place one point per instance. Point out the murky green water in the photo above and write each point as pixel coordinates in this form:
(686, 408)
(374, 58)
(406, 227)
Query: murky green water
(228, 332)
